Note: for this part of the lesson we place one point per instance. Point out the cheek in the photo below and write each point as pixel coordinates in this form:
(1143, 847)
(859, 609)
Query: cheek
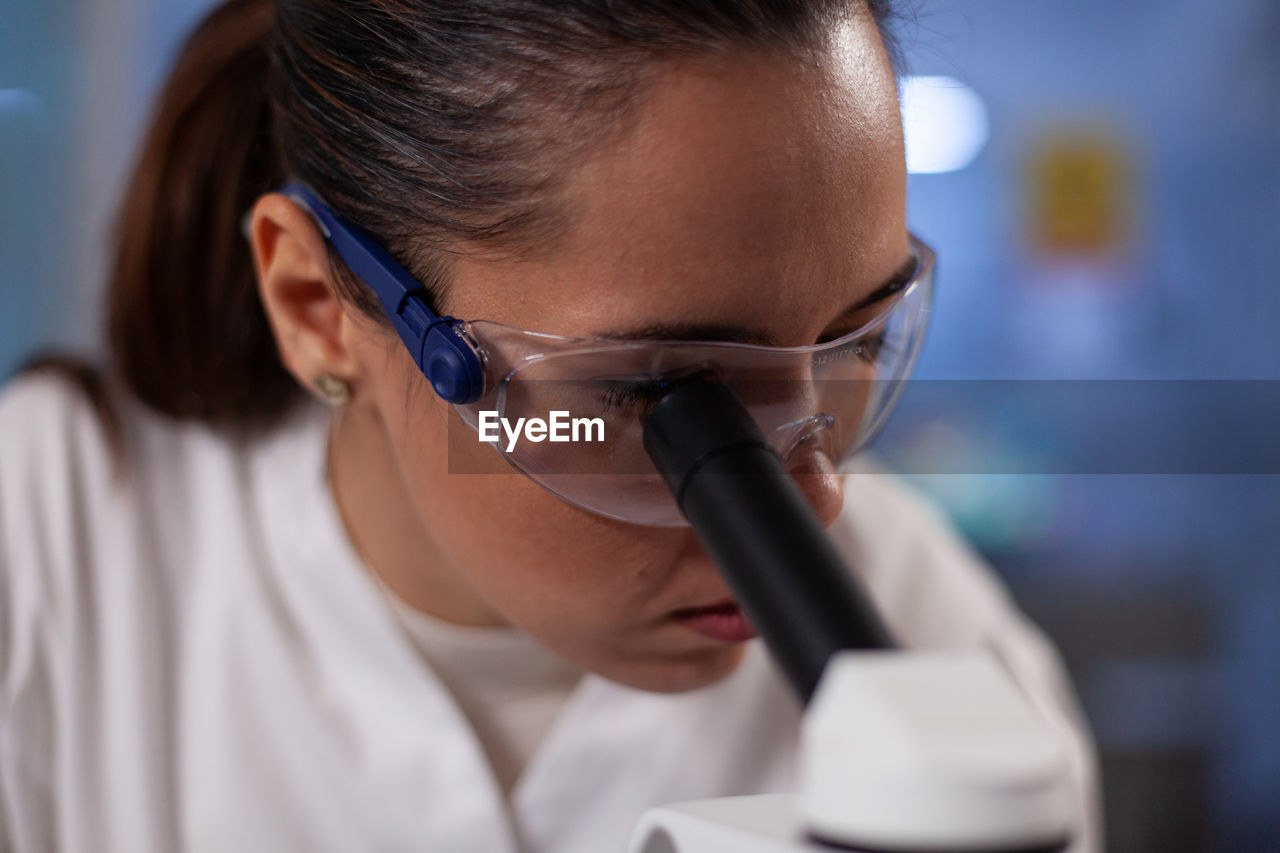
(595, 591)
(563, 574)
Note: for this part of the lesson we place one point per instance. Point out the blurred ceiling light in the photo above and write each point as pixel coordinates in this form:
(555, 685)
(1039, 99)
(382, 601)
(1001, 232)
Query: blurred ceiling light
(945, 124)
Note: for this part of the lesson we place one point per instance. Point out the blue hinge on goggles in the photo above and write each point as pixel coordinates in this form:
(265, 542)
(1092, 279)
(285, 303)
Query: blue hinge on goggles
(444, 353)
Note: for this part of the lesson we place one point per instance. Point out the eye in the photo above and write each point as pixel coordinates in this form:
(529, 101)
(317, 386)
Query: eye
(874, 348)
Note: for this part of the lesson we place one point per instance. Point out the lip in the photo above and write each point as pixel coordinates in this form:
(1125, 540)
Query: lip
(722, 621)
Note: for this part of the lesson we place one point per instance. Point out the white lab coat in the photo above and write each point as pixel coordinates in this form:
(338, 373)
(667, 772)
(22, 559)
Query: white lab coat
(193, 659)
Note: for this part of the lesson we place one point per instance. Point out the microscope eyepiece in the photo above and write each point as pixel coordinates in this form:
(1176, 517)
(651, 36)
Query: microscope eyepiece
(756, 525)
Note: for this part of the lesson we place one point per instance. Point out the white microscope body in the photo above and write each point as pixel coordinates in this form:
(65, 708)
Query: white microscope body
(902, 752)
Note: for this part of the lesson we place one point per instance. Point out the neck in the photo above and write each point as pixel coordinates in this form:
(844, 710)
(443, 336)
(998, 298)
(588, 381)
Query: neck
(384, 527)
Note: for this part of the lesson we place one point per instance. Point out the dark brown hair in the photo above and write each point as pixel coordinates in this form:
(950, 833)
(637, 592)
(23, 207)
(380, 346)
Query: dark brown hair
(431, 123)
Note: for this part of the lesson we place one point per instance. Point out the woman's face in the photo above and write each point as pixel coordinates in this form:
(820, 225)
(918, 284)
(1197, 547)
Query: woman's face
(747, 191)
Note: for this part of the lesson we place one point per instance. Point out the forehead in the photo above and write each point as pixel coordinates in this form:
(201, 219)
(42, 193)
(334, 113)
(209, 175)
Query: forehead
(737, 184)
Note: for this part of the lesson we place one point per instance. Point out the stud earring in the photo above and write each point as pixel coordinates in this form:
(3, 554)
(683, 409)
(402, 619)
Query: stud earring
(335, 391)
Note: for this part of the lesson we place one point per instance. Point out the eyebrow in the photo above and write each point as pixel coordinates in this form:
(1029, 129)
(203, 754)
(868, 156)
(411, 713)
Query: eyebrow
(730, 333)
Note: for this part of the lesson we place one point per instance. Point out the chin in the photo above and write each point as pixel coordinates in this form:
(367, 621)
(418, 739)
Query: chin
(680, 673)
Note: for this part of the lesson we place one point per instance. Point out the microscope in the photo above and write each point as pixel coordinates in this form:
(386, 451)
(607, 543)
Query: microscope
(900, 751)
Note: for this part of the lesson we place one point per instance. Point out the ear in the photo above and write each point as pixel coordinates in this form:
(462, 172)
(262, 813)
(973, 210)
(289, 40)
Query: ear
(311, 326)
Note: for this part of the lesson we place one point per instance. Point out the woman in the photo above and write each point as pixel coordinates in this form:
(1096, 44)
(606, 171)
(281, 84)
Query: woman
(238, 619)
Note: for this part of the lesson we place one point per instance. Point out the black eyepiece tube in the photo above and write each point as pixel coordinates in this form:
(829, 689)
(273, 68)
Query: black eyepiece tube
(758, 528)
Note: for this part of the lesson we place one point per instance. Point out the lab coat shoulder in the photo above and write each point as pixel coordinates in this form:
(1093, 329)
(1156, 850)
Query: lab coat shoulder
(94, 526)
(53, 453)
(936, 593)
(53, 450)
(75, 495)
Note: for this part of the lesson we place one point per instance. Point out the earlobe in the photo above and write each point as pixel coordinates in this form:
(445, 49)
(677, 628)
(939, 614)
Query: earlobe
(301, 303)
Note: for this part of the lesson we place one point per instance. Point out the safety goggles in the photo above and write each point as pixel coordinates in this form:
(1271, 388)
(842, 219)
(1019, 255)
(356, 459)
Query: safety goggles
(569, 412)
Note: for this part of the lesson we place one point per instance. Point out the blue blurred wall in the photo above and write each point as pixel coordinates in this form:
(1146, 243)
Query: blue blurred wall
(1163, 591)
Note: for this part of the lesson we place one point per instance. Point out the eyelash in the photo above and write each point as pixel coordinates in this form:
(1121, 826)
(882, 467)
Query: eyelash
(870, 349)
(620, 394)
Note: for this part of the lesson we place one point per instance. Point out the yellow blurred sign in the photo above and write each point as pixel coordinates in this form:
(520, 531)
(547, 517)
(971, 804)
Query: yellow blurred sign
(1080, 192)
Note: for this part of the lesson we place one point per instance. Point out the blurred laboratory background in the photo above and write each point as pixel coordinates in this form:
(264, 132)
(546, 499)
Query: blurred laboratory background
(1097, 408)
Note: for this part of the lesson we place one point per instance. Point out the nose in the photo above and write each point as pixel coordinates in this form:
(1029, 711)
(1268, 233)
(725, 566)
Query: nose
(810, 464)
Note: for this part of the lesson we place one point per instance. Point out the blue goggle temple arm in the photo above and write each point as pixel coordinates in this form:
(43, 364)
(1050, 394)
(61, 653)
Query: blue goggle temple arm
(442, 351)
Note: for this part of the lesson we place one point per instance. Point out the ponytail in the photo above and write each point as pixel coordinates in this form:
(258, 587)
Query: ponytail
(186, 327)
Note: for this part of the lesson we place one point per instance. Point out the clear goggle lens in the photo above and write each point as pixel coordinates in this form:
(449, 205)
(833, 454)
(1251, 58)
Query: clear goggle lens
(830, 398)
